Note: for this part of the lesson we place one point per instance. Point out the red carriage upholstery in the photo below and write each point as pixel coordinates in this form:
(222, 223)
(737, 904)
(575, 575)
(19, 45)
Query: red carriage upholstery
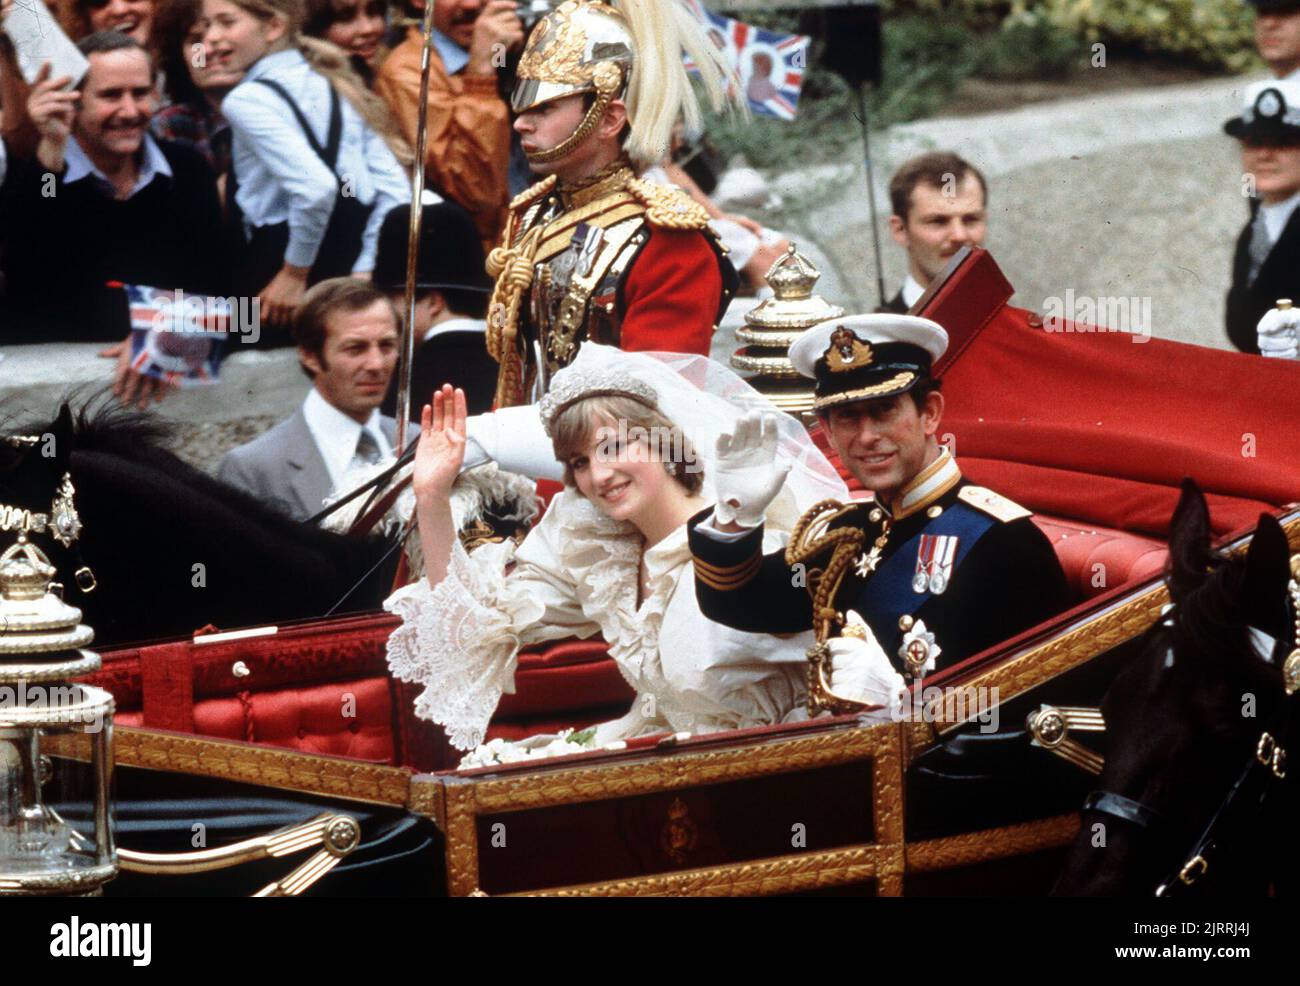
(324, 688)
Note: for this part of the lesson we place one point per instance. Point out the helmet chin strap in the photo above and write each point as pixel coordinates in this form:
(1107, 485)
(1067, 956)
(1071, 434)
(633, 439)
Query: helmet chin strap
(608, 79)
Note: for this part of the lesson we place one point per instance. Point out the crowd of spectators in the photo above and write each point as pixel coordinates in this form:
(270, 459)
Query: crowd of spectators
(255, 148)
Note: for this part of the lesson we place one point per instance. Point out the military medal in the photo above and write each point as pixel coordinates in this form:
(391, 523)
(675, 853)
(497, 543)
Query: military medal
(868, 561)
(918, 650)
(934, 561)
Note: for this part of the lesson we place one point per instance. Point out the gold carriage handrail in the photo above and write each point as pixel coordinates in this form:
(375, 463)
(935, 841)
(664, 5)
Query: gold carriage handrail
(337, 835)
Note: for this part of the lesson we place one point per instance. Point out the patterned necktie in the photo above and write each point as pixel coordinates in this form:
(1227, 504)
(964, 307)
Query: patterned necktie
(367, 448)
(1260, 244)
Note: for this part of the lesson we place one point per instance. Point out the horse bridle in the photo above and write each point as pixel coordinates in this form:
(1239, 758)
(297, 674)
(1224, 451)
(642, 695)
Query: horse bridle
(1245, 801)
(61, 522)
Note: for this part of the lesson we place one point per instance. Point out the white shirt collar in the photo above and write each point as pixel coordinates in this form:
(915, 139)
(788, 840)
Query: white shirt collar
(1277, 214)
(152, 164)
(336, 434)
(457, 324)
(912, 290)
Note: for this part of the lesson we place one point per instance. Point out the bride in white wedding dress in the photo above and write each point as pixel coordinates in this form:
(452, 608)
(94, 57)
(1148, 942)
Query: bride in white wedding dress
(637, 434)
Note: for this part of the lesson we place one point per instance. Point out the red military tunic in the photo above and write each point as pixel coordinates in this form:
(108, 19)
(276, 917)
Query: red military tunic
(621, 261)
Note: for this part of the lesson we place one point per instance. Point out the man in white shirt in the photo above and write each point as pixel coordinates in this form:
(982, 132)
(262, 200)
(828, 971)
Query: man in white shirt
(346, 331)
(1266, 264)
(1277, 35)
(939, 204)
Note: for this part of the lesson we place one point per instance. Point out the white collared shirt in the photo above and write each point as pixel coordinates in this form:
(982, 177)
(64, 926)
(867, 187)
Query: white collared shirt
(336, 434)
(456, 324)
(282, 179)
(152, 164)
(1277, 215)
(912, 290)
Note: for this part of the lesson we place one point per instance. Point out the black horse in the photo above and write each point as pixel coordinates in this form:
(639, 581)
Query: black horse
(171, 548)
(1187, 773)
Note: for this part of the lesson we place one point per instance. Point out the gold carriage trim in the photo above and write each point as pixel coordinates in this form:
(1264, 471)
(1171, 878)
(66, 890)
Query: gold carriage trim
(729, 577)
(863, 393)
(668, 207)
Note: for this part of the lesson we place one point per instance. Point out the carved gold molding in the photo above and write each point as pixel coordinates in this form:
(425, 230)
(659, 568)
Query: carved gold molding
(987, 845)
(782, 875)
(469, 797)
(577, 784)
(287, 770)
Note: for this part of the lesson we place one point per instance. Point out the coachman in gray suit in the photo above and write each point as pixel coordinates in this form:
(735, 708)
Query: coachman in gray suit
(347, 337)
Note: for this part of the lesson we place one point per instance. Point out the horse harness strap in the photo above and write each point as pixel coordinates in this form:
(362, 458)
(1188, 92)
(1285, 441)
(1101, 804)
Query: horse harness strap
(1126, 809)
(1244, 803)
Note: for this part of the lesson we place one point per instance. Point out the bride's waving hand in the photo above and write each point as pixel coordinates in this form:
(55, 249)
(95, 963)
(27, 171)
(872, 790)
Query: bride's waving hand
(438, 458)
(441, 449)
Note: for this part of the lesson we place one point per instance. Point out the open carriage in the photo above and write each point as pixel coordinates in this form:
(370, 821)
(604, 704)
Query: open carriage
(1091, 430)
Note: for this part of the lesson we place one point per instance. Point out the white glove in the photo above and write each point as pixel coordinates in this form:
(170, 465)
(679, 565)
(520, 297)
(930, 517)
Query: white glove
(514, 439)
(1277, 333)
(861, 672)
(748, 477)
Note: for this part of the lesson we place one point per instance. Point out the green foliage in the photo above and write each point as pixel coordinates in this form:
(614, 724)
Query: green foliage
(1213, 33)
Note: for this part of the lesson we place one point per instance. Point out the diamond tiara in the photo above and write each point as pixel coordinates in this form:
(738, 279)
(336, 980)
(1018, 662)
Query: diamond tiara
(572, 386)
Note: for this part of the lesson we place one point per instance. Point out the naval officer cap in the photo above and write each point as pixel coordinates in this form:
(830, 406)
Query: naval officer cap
(1270, 113)
(863, 357)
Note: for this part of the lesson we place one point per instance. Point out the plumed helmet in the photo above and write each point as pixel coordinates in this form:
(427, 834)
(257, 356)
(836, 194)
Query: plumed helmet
(578, 47)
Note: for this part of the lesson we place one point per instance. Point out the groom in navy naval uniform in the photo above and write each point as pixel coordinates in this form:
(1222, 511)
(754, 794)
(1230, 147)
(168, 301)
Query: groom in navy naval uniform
(934, 549)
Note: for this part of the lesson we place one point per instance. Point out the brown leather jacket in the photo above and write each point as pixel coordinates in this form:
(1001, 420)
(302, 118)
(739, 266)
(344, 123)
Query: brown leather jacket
(467, 156)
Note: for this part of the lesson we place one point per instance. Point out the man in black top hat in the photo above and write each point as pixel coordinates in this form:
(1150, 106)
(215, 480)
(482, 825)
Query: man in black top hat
(939, 569)
(1277, 35)
(450, 304)
(1266, 265)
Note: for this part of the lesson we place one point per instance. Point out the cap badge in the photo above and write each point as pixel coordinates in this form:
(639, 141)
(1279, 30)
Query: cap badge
(847, 352)
(1270, 103)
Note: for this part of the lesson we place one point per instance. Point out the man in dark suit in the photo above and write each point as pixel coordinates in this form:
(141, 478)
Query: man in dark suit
(940, 204)
(346, 331)
(101, 202)
(938, 568)
(451, 295)
(1266, 265)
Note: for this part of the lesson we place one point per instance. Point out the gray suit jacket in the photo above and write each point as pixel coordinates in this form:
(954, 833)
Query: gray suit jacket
(284, 468)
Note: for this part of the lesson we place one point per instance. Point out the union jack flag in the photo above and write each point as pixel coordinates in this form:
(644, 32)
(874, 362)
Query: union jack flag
(174, 336)
(769, 66)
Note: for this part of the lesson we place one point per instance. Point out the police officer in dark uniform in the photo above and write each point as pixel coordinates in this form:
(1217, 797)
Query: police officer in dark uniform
(938, 568)
(1266, 264)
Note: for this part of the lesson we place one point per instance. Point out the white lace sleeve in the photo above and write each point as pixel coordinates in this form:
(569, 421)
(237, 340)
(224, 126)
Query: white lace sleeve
(460, 640)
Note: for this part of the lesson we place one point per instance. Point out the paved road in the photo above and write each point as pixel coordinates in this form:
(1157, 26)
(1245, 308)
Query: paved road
(1134, 195)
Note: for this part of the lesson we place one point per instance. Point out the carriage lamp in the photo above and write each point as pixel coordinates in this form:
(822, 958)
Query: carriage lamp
(41, 641)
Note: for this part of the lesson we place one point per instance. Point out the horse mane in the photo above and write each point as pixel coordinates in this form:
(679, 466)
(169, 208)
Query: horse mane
(102, 427)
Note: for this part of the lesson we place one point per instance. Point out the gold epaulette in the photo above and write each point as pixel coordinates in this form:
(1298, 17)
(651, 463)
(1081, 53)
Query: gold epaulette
(667, 206)
(995, 505)
(532, 193)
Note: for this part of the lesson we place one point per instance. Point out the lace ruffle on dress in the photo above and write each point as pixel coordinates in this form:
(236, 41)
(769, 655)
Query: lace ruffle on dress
(575, 575)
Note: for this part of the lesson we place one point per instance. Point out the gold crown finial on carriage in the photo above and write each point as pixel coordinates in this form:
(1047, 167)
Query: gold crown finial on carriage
(33, 620)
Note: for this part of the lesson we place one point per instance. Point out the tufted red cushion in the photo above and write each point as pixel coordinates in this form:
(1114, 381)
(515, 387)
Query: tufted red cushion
(1099, 558)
